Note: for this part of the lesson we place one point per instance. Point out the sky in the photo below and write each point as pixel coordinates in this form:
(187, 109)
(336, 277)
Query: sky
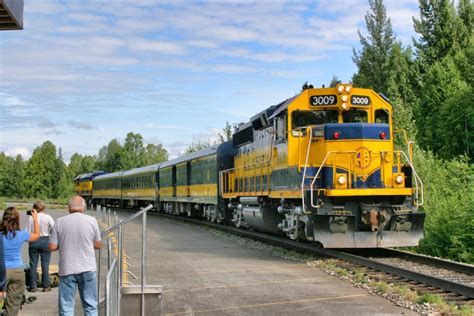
(82, 73)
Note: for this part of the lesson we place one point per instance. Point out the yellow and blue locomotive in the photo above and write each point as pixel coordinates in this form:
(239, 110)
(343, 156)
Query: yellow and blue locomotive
(320, 166)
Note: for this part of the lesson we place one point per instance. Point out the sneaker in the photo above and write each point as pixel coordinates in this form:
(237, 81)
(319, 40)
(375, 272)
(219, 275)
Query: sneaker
(32, 290)
(47, 289)
(30, 299)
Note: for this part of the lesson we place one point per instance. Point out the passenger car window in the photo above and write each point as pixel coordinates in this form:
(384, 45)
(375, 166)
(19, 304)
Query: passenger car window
(381, 116)
(355, 116)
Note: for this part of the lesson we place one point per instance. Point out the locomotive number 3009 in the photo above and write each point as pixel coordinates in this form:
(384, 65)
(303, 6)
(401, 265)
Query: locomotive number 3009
(318, 100)
(360, 100)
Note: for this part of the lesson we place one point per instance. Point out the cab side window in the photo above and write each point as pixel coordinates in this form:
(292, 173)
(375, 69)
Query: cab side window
(381, 116)
(280, 127)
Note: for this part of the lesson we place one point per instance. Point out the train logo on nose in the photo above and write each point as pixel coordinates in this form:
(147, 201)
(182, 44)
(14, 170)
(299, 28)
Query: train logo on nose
(363, 157)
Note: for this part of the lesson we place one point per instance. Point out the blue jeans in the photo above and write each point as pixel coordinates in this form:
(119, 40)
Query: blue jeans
(39, 248)
(68, 285)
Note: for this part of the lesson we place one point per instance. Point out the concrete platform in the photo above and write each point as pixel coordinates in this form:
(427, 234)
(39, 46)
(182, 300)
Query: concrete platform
(204, 274)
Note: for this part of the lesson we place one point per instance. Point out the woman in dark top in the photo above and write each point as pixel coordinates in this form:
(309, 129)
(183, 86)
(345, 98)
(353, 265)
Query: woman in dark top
(13, 239)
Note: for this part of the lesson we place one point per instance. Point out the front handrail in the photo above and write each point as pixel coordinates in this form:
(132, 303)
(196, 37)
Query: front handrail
(417, 179)
(329, 153)
(305, 168)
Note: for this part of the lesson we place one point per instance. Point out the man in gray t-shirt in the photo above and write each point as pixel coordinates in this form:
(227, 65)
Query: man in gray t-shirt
(76, 236)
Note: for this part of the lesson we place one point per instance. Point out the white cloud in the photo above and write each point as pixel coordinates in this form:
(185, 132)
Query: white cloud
(8, 100)
(80, 124)
(233, 69)
(15, 151)
(144, 45)
(160, 126)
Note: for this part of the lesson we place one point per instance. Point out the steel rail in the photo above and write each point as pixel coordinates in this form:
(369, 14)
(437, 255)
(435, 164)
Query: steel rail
(443, 284)
(437, 262)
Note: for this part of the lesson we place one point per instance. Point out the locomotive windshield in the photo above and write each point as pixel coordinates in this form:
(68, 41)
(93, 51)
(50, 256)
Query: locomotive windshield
(307, 118)
(354, 116)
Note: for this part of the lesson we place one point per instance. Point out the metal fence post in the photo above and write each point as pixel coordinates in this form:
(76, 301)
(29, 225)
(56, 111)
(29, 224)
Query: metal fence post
(99, 260)
(109, 252)
(143, 261)
(110, 303)
(120, 265)
(99, 264)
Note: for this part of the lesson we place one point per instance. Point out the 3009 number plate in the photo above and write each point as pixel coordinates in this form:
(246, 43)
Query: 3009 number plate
(322, 100)
(360, 100)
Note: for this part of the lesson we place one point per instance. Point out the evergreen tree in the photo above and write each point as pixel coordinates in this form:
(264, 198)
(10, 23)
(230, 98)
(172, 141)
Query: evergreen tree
(373, 60)
(155, 154)
(228, 131)
(112, 157)
(466, 15)
(75, 164)
(440, 29)
(444, 109)
(18, 177)
(41, 174)
(401, 94)
(197, 146)
(63, 187)
(87, 164)
(334, 81)
(115, 156)
(12, 175)
(133, 151)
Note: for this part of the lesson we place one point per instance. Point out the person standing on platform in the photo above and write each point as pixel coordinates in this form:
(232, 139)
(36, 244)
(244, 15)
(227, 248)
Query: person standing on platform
(3, 275)
(13, 239)
(40, 248)
(76, 236)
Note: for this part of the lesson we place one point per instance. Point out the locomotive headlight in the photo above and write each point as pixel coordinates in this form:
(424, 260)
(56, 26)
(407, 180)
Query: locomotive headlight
(340, 88)
(341, 180)
(344, 98)
(345, 106)
(399, 179)
(348, 89)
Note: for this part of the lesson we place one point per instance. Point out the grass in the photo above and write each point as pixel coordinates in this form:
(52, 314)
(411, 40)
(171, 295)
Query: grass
(341, 272)
(360, 277)
(405, 292)
(465, 310)
(429, 298)
(379, 286)
(444, 307)
(23, 203)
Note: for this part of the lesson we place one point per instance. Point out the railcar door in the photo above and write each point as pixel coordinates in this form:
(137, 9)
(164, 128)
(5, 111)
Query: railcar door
(188, 178)
(174, 180)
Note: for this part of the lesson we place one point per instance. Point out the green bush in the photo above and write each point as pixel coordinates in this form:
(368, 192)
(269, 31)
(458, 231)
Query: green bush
(449, 202)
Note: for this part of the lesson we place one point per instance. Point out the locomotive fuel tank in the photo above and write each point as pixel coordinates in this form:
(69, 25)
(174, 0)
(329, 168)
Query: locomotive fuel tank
(259, 217)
